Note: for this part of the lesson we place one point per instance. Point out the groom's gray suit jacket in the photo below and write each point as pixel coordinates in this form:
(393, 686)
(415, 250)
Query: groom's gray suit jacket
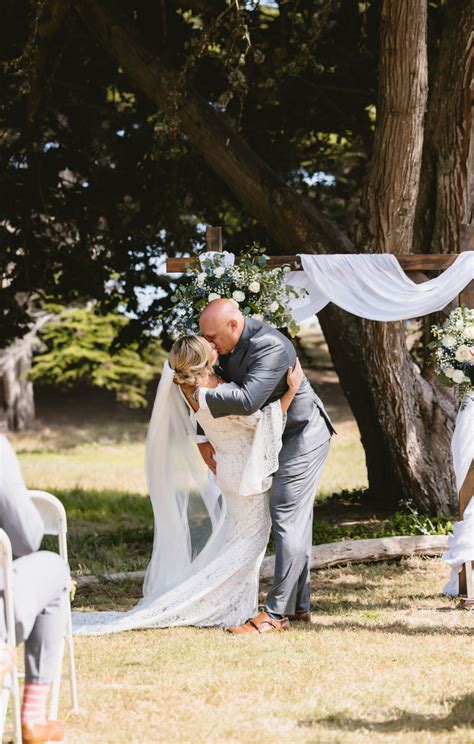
(259, 366)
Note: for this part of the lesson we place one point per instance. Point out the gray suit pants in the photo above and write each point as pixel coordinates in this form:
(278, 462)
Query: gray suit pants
(40, 591)
(291, 506)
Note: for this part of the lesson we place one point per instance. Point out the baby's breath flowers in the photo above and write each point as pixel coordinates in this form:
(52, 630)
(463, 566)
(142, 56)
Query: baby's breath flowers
(259, 292)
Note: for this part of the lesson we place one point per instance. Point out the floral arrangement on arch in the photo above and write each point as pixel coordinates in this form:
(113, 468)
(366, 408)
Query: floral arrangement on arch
(453, 349)
(259, 292)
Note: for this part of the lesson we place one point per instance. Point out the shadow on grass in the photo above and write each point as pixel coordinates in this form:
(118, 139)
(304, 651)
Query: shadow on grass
(112, 531)
(395, 628)
(338, 604)
(461, 714)
(109, 595)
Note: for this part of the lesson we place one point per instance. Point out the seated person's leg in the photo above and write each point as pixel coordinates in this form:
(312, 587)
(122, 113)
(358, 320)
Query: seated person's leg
(40, 589)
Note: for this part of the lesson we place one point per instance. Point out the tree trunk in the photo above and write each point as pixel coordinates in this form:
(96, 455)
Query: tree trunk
(17, 401)
(389, 199)
(414, 417)
(445, 197)
(17, 389)
(405, 429)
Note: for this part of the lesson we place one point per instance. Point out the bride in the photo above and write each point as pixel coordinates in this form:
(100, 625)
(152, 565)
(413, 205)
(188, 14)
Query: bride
(210, 533)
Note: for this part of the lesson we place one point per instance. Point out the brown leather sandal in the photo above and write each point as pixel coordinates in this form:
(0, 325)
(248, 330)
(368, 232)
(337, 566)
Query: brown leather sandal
(261, 623)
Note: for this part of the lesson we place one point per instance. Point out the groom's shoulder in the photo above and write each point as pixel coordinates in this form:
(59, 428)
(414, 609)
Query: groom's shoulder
(264, 335)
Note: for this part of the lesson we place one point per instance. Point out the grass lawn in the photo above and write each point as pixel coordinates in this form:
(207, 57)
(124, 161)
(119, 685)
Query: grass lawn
(386, 659)
(90, 454)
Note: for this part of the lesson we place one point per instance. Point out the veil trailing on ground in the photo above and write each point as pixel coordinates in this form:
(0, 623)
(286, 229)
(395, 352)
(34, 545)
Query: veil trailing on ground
(187, 505)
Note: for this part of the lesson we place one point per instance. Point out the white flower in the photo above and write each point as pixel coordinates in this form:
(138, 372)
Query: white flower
(254, 286)
(220, 271)
(469, 332)
(448, 341)
(201, 278)
(449, 372)
(463, 354)
(286, 269)
(238, 295)
(213, 296)
(257, 316)
(273, 307)
(459, 377)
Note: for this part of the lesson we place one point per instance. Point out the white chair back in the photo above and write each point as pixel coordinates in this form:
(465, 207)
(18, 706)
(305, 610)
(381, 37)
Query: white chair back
(54, 517)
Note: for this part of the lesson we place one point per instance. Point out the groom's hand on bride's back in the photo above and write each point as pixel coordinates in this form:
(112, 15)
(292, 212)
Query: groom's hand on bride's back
(208, 454)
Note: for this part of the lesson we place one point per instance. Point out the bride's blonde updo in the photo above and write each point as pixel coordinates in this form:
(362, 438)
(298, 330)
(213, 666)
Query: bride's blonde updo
(189, 358)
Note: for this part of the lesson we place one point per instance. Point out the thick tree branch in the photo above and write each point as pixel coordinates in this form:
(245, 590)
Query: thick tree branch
(292, 220)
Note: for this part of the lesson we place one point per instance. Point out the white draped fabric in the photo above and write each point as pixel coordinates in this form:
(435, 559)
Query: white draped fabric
(376, 287)
(461, 542)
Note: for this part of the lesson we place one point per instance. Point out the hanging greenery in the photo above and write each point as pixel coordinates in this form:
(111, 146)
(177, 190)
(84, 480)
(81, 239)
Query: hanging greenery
(259, 293)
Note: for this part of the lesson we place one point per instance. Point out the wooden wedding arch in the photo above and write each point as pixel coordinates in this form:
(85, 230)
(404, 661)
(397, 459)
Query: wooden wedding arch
(415, 265)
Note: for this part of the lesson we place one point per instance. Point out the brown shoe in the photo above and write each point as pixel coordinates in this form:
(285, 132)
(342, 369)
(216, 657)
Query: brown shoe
(39, 733)
(300, 616)
(262, 623)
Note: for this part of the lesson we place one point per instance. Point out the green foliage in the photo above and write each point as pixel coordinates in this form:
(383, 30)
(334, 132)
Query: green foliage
(295, 79)
(82, 345)
(105, 184)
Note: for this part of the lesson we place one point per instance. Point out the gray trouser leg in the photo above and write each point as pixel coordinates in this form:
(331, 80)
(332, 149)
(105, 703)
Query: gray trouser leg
(291, 505)
(40, 591)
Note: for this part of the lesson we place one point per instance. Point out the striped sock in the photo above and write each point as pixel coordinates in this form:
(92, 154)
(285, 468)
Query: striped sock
(33, 709)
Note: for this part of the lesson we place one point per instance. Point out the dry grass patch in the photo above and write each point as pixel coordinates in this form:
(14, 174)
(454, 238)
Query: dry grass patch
(386, 659)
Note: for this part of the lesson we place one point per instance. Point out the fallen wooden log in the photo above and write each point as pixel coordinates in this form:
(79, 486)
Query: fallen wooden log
(326, 555)
(363, 551)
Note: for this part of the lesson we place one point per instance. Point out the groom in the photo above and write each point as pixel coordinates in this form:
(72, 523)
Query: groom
(256, 357)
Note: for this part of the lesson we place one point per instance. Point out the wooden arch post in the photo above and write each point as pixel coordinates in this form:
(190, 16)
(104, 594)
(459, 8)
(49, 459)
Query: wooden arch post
(214, 238)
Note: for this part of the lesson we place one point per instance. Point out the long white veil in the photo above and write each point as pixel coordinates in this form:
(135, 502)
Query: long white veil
(187, 505)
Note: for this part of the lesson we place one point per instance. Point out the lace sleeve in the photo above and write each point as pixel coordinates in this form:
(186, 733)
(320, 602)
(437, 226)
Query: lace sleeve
(266, 445)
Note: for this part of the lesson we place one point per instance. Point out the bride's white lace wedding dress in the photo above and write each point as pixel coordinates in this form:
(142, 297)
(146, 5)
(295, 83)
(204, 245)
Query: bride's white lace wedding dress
(222, 586)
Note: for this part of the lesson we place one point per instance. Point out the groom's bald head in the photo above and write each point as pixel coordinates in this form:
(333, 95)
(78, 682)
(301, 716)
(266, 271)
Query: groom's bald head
(222, 323)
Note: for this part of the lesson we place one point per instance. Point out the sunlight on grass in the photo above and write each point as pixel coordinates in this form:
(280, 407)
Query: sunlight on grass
(98, 466)
(385, 660)
(115, 464)
(345, 468)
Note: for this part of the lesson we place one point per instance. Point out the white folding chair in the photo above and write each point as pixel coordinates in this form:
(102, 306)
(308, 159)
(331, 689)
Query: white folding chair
(54, 517)
(10, 679)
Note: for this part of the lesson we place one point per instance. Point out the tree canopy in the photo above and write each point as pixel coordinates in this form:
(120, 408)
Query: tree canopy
(98, 183)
